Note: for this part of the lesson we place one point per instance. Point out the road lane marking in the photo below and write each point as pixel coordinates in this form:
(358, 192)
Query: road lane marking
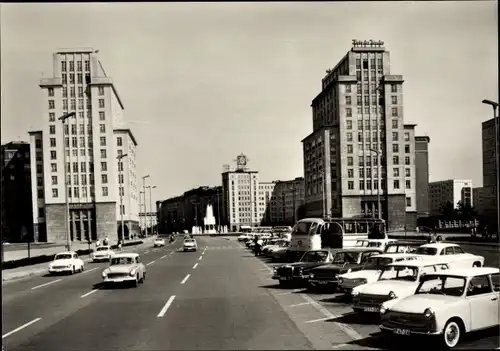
(52, 282)
(167, 305)
(150, 263)
(318, 320)
(195, 265)
(90, 270)
(185, 279)
(340, 345)
(300, 304)
(291, 292)
(199, 259)
(163, 256)
(21, 327)
(87, 294)
(345, 328)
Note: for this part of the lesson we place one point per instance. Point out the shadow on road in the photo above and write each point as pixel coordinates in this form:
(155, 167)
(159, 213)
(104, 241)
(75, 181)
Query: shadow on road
(341, 299)
(356, 318)
(108, 286)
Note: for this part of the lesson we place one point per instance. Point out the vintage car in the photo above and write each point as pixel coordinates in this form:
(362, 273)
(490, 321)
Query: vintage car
(299, 271)
(362, 243)
(380, 243)
(396, 281)
(243, 237)
(344, 261)
(268, 249)
(371, 270)
(125, 268)
(158, 242)
(189, 245)
(279, 254)
(102, 253)
(400, 246)
(450, 253)
(66, 262)
(447, 304)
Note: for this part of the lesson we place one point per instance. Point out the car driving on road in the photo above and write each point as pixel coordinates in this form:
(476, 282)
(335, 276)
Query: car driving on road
(159, 242)
(189, 245)
(102, 253)
(125, 268)
(66, 262)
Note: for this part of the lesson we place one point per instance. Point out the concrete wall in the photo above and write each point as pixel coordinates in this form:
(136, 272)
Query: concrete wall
(55, 215)
(411, 221)
(396, 213)
(106, 221)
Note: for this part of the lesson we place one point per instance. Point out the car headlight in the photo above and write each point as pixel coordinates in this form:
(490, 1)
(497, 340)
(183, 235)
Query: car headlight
(355, 293)
(392, 295)
(69, 266)
(132, 272)
(341, 280)
(428, 313)
(275, 269)
(349, 270)
(383, 309)
(104, 273)
(311, 275)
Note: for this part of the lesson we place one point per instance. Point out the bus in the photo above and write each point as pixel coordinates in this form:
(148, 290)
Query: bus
(335, 233)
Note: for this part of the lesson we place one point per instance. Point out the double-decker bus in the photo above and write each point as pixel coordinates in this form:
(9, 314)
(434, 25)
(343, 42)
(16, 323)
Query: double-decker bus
(336, 233)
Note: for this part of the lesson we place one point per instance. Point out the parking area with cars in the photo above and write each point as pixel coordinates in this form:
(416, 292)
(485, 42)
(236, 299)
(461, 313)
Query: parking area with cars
(386, 313)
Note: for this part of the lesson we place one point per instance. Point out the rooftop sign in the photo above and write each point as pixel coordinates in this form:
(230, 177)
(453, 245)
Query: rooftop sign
(367, 43)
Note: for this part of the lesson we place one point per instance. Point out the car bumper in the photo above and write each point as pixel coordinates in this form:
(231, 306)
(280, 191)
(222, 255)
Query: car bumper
(60, 270)
(408, 332)
(158, 245)
(119, 280)
(366, 308)
(189, 248)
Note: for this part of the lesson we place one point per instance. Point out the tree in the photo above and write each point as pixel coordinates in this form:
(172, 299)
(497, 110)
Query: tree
(448, 211)
(465, 211)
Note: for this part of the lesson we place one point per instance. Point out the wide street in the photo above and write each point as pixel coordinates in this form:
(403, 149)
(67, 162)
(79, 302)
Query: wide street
(220, 297)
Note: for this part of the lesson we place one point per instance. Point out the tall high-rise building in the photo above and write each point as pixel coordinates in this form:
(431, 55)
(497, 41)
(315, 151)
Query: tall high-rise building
(422, 175)
(17, 216)
(489, 208)
(360, 146)
(82, 153)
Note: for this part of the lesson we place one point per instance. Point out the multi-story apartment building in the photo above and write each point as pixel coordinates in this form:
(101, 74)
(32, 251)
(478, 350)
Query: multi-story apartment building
(451, 190)
(287, 198)
(17, 216)
(266, 191)
(360, 146)
(422, 175)
(82, 152)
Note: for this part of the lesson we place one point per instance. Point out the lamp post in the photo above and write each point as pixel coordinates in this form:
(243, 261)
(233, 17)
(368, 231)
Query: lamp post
(497, 158)
(150, 207)
(63, 119)
(379, 175)
(141, 205)
(120, 166)
(218, 207)
(323, 191)
(144, 202)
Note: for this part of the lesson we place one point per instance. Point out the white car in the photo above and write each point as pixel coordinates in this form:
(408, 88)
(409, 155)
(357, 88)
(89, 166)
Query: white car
(380, 243)
(159, 242)
(448, 304)
(450, 253)
(243, 237)
(371, 270)
(189, 245)
(102, 253)
(66, 262)
(396, 281)
(125, 268)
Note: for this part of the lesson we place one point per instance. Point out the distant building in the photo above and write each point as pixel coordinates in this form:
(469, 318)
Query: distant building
(451, 190)
(287, 197)
(148, 220)
(91, 141)
(17, 215)
(481, 197)
(422, 175)
(360, 146)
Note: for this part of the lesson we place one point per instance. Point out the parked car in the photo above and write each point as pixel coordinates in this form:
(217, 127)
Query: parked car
(299, 271)
(400, 246)
(371, 270)
(362, 243)
(158, 242)
(450, 253)
(447, 304)
(396, 281)
(380, 243)
(189, 245)
(102, 253)
(125, 268)
(279, 254)
(277, 243)
(66, 262)
(243, 237)
(344, 261)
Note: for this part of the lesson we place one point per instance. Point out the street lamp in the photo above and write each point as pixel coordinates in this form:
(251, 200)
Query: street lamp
(144, 202)
(497, 158)
(63, 119)
(141, 205)
(150, 207)
(120, 166)
(379, 176)
(323, 191)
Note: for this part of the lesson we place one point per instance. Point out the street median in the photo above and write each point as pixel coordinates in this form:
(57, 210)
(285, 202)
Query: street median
(26, 262)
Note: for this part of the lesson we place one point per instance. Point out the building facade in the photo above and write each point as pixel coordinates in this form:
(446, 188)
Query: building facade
(422, 176)
(17, 215)
(360, 149)
(286, 200)
(451, 190)
(82, 152)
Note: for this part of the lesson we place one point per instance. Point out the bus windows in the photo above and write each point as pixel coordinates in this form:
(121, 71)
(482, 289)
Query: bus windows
(362, 228)
(349, 228)
(331, 237)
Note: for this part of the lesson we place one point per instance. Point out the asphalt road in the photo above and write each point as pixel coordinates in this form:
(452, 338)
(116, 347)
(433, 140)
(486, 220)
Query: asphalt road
(220, 297)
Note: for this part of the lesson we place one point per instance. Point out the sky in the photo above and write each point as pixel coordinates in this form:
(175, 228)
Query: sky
(204, 82)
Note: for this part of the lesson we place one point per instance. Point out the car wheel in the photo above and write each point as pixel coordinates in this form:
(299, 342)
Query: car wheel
(451, 334)
(476, 264)
(81, 268)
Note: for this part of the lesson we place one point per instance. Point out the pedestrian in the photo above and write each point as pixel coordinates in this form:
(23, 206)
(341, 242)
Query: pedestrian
(106, 241)
(120, 245)
(98, 243)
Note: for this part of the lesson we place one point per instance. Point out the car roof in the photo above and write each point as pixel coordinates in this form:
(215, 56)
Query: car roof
(126, 255)
(66, 252)
(416, 263)
(381, 240)
(360, 249)
(396, 255)
(439, 245)
(469, 272)
(402, 242)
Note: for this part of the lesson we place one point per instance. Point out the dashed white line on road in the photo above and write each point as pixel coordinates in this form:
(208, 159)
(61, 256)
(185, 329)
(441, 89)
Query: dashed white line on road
(150, 263)
(199, 259)
(195, 265)
(90, 270)
(42, 285)
(185, 279)
(87, 294)
(318, 320)
(300, 304)
(21, 327)
(167, 305)
(163, 256)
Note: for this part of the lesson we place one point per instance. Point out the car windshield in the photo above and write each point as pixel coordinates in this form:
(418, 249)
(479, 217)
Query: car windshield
(63, 257)
(362, 243)
(441, 285)
(122, 260)
(375, 244)
(376, 263)
(400, 249)
(407, 273)
(431, 251)
(346, 257)
(314, 256)
(282, 243)
(302, 228)
(102, 249)
(189, 241)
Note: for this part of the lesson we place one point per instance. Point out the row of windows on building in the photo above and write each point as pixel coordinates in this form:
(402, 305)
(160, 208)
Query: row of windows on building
(102, 142)
(52, 104)
(72, 66)
(73, 94)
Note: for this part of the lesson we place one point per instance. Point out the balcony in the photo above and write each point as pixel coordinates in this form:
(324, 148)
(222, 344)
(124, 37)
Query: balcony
(50, 82)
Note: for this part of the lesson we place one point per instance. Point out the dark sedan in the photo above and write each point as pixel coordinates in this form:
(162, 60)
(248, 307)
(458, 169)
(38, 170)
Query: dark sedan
(344, 261)
(298, 272)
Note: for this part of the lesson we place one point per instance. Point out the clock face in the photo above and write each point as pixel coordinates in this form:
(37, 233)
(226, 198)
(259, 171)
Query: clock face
(242, 160)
